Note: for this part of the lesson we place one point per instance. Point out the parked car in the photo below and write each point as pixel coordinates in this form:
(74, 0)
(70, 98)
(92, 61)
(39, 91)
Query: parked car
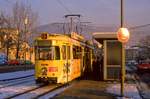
(2, 55)
(3, 61)
(143, 66)
(28, 62)
(13, 62)
(131, 63)
(21, 62)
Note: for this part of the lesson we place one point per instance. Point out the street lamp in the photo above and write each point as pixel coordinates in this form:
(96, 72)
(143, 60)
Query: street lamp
(25, 23)
(123, 35)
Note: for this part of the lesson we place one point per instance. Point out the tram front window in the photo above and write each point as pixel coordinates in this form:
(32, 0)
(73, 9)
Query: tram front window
(48, 53)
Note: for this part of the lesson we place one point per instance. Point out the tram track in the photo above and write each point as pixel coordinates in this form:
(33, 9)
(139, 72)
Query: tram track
(15, 83)
(37, 92)
(23, 92)
(11, 79)
(25, 86)
(13, 86)
(14, 80)
(55, 90)
(18, 89)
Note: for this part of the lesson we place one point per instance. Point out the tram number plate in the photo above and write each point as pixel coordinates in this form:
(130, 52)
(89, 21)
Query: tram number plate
(53, 69)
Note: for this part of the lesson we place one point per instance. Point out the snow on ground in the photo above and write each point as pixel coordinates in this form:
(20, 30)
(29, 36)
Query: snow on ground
(130, 91)
(33, 94)
(146, 94)
(18, 74)
(9, 91)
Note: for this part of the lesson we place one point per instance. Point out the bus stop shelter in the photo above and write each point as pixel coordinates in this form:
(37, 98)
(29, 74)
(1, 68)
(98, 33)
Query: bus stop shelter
(112, 53)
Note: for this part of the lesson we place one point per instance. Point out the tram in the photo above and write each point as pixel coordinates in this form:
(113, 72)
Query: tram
(61, 58)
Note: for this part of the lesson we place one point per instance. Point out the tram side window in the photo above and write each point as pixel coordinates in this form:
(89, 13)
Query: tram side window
(36, 53)
(63, 52)
(79, 52)
(68, 52)
(76, 52)
(57, 53)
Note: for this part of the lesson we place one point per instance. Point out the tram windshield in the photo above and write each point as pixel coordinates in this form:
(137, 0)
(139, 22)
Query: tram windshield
(48, 53)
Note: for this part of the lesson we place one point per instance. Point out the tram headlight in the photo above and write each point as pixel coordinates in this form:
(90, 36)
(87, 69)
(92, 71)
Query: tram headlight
(44, 71)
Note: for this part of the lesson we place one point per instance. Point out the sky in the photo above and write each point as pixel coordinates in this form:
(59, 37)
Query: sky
(98, 12)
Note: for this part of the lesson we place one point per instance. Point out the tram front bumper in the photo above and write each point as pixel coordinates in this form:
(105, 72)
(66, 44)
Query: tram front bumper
(48, 79)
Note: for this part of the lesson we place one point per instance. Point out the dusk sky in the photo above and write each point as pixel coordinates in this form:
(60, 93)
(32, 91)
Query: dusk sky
(99, 12)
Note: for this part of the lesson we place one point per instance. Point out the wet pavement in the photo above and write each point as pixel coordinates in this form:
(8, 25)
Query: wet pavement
(88, 89)
(96, 89)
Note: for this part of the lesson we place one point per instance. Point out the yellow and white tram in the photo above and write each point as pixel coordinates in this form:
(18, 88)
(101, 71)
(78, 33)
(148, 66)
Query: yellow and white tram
(61, 58)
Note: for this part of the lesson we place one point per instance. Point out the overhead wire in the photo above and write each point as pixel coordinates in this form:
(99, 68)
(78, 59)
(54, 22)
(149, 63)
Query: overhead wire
(64, 6)
(131, 28)
(9, 2)
(139, 26)
(67, 9)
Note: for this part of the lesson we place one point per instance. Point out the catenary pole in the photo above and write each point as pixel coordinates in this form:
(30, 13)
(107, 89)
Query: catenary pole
(123, 53)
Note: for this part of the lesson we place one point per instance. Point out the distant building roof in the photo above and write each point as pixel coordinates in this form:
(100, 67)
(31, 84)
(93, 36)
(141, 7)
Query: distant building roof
(104, 35)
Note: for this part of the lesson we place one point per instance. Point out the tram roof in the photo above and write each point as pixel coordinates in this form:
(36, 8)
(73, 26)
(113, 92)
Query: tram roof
(105, 35)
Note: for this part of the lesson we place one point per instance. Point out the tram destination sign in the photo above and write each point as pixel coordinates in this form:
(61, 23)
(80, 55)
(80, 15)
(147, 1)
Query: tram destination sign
(44, 43)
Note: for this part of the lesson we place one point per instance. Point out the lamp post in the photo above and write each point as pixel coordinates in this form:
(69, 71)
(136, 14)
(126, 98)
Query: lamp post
(25, 23)
(123, 55)
(123, 36)
(122, 16)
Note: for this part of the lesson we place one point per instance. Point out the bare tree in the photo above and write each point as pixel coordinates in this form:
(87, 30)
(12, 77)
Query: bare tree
(3, 20)
(20, 13)
(16, 21)
(6, 38)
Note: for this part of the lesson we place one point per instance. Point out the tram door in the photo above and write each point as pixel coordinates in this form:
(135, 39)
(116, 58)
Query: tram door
(66, 62)
(112, 59)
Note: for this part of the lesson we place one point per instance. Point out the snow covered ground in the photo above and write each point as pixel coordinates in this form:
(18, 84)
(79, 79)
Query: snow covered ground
(13, 90)
(18, 74)
(130, 91)
(24, 85)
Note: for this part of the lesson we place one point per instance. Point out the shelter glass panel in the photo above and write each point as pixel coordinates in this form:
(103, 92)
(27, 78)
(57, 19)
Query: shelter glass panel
(114, 53)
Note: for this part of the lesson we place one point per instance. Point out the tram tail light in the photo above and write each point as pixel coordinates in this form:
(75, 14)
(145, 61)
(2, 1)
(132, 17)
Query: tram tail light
(53, 69)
